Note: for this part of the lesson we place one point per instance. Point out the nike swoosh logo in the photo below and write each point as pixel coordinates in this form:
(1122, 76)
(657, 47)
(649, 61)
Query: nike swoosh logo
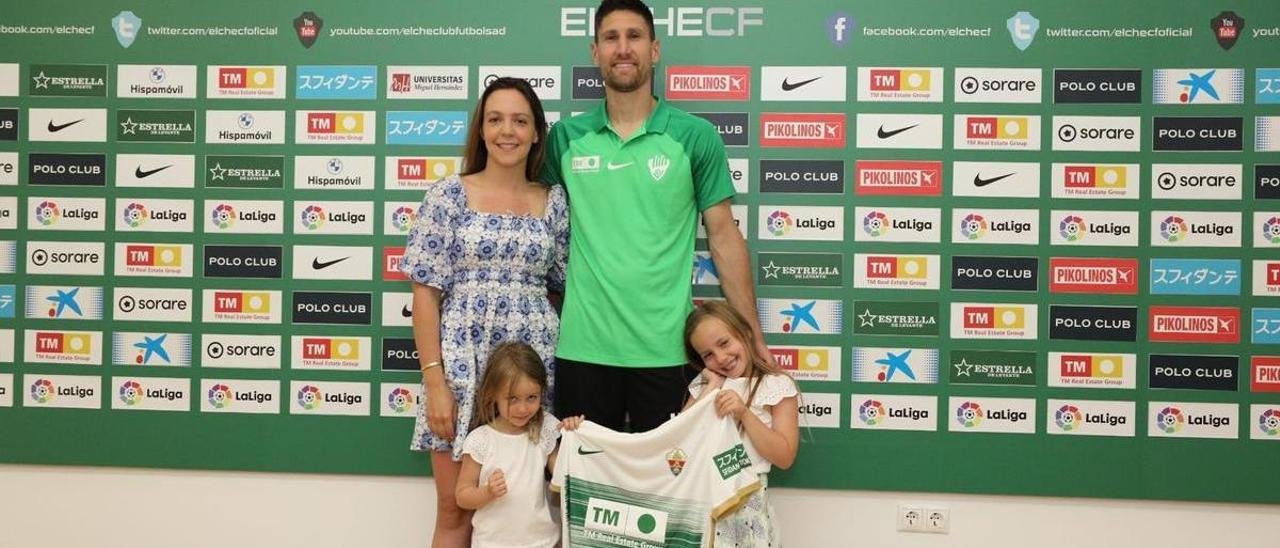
(613, 166)
(582, 451)
(979, 182)
(887, 134)
(137, 172)
(406, 312)
(317, 265)
(788, 86)
(54, 128)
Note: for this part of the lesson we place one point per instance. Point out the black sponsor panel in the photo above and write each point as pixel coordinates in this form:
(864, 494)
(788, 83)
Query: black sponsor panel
(399, 355)
(587, 83)
(1194, 372)
(8, 124)
(1181, 133)
(1097, 86)
(1266, 182)
(995, 273)
(243, 261)
(328, 307)
(67, 169)
(1093, 323)
(811, 176)
(732, 126)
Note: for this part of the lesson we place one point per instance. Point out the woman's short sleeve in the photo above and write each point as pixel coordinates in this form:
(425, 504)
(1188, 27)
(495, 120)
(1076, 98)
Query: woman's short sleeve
(429, 253)
(558, 221)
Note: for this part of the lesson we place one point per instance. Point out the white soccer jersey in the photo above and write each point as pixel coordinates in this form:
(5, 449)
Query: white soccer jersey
(661, 488)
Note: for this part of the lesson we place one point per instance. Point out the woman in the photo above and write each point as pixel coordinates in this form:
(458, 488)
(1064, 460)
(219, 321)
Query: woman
(486, 247)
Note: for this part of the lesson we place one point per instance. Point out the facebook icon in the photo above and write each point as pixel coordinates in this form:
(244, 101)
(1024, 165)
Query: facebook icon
(839, 26)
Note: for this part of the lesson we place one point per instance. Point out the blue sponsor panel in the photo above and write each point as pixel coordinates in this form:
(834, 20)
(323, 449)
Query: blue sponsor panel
(1265, 326)
(1195, 276)
(1268, 86)
(8, 301)
(426, 127)
(337, 82)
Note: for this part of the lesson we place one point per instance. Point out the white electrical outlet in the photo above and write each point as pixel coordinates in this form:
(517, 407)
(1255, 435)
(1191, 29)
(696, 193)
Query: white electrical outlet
(910, 519)
(936, 520)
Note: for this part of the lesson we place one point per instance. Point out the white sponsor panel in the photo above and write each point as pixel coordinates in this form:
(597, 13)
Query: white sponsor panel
(243, 217)
(886, 271)
(897, 224)
(893, 412)
(151, 349)
(6, 345)
(9, 257)
(154, 215)
(419, 172)
(241, 306)
(62, 347)
(994, 321)
(900, 84)
(801, 316)
(155, 170)
(156, 81)
(150, 394)
(1103, 181)
(996, 132)
(9, 168)
(69, 258)
(60, 302)
(819, 410)
(316, 217)
(83, 125)
(1090, 418)
(991, 415)
(545, 80)
(9, 213)
(1193, 420)
(995, 226)
(151, 304)
(332, 353)
(998, 85)
(740, 218)
(245, 82)
(1097, 133)
(1195, 228)
(1266, 278)
(740, 174)
(1197, 86)
(919, 131)
(895, 365)
(328, 398)
(398, 399)
(819, 223)
(60, 213)
(8, 79)
(1092, 370)
(62, 391)
(1264, 423)
(809, 363)
(334, 172)
(6, 390)
(1196, 181)
(249, 127)
(1266, 134)
(240, 351)
(1266, 229)
(329, 127)
(397, 309)
(803, 84)
(995, 179)
(239, 396)
(1093, 228)
(323, 262)
(147, 259)
(427, 82)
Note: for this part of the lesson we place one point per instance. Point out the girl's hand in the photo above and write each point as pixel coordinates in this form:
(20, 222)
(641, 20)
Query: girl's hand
(442, 412)
(570, 424)
(729, 403)
(497, 485)
(714, 380)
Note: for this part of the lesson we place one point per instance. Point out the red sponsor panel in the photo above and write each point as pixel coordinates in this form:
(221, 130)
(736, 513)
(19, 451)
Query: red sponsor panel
(391, 257)
(979, 317)
(1273, 275)
(1080, 176)
(321, 122)
(922, 178)
(49, 343)
(233, 78)
(781, 129)
(701, 83)
(886, 80)
(1209, 324)
(1264, 374)
(227, 301)
(882, 267)
(139, 255)
(981, 127)
(1076, 365)
(1093, 275)
(315, 348)
(400, 82)
(786, 358)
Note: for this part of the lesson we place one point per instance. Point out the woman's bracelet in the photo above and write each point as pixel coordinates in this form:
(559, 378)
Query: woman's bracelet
(430, 365)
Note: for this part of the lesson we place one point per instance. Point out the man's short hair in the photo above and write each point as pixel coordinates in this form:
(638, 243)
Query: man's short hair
(635, 6)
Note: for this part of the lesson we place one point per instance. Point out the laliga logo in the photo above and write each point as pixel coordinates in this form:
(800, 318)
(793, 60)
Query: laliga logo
(1269, 422)
(1071, 228)
(1173, 229)
(403, 218)
(871, 412)
(135, 214)
(309, 397)
(47, 213)
(224, 216)
(219, 396)
(969, 414)
(1271, 230)
(973, 226)
(1170, 420)
(1068, 418)
(398, 400)
(312, 217)
(875, 223)
(42, 390)
(779, 223)
(131, 392)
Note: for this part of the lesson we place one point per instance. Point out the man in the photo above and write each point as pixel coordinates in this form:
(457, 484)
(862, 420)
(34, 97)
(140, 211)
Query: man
(638, 171)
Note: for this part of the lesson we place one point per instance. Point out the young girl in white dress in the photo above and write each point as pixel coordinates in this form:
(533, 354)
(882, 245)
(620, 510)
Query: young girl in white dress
(759, 396)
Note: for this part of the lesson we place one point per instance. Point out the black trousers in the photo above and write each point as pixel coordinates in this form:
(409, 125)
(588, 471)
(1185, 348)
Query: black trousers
(643, 397)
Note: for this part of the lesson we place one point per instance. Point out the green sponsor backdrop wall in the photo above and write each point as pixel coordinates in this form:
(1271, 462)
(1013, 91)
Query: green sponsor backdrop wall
(767, 33)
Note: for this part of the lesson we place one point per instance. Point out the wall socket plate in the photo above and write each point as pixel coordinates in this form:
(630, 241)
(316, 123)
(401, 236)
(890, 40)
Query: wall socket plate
(924, 519)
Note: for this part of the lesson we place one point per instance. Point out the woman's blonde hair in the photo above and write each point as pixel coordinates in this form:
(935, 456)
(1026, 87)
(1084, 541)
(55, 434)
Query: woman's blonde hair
(508, 363)
(758, 367)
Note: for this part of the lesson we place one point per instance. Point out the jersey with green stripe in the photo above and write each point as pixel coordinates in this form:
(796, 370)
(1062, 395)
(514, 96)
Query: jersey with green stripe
(633, 208)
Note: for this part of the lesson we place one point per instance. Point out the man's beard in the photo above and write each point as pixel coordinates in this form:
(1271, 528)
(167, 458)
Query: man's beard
(627, 85)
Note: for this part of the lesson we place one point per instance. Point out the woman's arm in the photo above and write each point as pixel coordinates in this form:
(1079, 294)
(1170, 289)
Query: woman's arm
(441, 409)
